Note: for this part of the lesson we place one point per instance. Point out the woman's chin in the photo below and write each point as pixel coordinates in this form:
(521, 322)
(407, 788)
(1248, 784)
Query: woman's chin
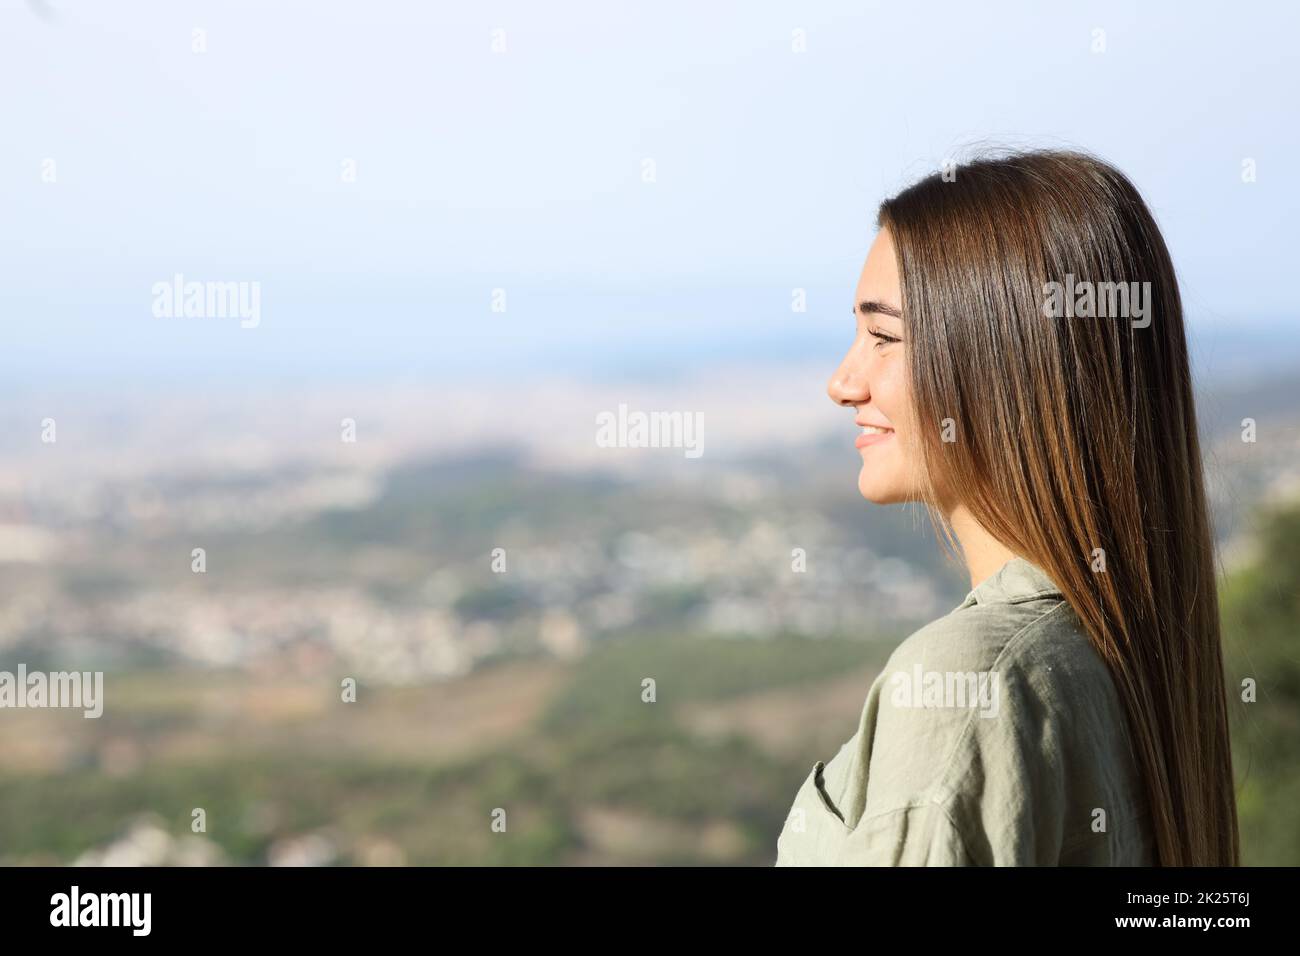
(879, 492)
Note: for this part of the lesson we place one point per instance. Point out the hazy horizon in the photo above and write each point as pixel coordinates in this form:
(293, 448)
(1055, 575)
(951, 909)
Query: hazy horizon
(659, 219)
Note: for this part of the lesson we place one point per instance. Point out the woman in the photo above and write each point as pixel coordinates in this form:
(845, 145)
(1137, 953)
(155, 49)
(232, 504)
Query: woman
(1020, 367)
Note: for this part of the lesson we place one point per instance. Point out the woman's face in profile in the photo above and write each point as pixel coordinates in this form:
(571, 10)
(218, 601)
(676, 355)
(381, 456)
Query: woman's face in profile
(872, 379)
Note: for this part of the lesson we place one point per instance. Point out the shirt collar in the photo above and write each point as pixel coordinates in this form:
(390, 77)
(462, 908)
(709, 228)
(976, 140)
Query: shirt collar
(1016, 581)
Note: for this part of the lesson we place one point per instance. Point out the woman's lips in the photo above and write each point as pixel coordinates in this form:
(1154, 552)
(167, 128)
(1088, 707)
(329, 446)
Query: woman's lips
(871, 435)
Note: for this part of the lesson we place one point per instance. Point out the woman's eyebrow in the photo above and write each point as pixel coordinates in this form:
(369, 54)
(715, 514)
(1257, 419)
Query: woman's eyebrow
(867, 306)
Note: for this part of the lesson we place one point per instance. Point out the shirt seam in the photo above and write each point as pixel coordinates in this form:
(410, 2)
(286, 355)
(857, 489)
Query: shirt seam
(1036, 595)
(943, 807)
(956, 829)
(1049, 592)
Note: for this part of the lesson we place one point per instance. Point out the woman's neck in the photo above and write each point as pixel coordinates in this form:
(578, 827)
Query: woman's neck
(984, 555)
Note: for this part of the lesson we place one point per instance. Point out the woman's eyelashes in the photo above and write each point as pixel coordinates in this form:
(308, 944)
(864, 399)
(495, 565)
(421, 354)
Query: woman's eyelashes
(882, 337)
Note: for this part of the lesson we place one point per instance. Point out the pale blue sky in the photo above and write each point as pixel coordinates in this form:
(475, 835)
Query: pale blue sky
(522, 170)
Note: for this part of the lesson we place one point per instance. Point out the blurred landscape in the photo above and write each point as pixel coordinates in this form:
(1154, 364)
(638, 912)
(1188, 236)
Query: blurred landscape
(661, 206)
(515, 686)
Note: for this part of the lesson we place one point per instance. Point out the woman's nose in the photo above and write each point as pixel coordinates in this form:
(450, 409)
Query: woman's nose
(848, 386)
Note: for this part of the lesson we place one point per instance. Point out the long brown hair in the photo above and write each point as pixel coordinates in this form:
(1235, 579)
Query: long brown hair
(1073, 440)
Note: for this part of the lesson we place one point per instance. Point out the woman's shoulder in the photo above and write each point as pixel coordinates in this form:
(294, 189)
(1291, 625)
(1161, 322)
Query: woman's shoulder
(981, 636)
(992, 735)
(1015, 620)
(1011, 667)
(1003, 717)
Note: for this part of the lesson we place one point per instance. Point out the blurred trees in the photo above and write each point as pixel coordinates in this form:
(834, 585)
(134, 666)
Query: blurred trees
(1261, 635)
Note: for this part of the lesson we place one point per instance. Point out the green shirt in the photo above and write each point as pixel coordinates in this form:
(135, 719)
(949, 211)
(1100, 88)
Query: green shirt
(993, 736)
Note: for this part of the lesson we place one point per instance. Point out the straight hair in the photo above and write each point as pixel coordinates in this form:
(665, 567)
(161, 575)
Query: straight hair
(1076, 444)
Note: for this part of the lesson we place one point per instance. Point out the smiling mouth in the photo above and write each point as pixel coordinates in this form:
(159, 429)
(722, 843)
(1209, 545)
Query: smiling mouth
(871, 434)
